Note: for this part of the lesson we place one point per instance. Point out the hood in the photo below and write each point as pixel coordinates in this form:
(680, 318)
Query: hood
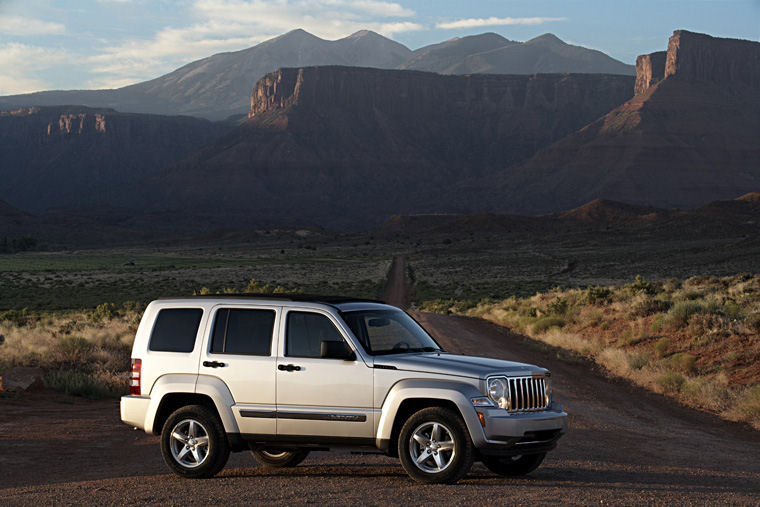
(461, 366)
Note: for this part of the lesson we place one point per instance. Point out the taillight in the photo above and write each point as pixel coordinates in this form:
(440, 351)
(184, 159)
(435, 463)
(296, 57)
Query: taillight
(134, 378)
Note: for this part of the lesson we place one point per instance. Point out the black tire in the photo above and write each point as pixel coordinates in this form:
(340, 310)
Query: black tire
(421, 460)
(273, 458)
(185, 453)
(513, 466)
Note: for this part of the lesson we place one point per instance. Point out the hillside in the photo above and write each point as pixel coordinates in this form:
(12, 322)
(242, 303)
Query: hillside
(220, 85)
(690, 135)
(347, 146)
(493, 54)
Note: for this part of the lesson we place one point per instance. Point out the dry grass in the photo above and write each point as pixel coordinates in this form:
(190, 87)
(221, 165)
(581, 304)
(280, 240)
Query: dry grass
(697, 341)
(82, 352)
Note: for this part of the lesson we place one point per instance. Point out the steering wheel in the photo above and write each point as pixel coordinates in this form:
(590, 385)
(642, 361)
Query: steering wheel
(401, 345)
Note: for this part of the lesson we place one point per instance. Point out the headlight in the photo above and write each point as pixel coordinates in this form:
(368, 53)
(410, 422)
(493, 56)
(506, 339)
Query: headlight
(498, 391)
(548, 389)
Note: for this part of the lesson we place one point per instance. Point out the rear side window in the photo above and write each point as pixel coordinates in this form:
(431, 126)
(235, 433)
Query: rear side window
(175, 330)
(238, 331)
(306, 332)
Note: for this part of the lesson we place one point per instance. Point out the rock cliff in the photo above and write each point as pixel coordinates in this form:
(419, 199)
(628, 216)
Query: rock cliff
(690, 135)
(350, 144)
(74, 156)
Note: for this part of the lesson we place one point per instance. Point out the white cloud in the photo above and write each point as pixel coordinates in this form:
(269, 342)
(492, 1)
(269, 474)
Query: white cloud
(21, 64)
(16, 25)
(494, 21)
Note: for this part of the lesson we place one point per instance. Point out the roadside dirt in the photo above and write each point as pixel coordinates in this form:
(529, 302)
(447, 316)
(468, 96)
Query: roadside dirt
(625, 446)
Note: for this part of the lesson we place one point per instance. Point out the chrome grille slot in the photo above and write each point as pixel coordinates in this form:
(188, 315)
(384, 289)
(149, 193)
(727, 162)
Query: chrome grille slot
(527, 394)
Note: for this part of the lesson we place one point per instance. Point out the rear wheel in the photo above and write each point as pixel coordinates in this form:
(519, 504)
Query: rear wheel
(279, 459)
(511, 466)
(434, 446)
(193, 442)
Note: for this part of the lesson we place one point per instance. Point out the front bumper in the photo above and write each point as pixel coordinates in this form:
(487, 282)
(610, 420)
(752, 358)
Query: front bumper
(522, 432)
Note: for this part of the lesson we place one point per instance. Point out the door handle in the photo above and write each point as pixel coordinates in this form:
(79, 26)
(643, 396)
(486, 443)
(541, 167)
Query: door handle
(213, 364)
(288, 367)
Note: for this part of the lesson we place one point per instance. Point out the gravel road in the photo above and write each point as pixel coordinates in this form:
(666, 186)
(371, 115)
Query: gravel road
(625, 446)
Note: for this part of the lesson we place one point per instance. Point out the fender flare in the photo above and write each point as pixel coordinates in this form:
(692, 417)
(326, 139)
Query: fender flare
(459, 393)
(212, 387)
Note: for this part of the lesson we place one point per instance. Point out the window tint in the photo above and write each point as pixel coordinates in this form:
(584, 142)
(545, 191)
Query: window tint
(238, 331)
(175, 330)
(306, 332)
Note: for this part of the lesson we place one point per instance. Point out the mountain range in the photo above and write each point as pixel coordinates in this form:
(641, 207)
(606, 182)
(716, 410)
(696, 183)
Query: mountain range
(220, 85)
(346, 147)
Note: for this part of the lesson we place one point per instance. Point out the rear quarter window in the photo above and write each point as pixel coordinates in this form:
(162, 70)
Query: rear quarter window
(175, 330)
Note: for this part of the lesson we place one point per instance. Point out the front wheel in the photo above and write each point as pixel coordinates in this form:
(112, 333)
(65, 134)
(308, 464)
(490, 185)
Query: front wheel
(435, 447)
(512, 466)
(279, 459)
(193, 442)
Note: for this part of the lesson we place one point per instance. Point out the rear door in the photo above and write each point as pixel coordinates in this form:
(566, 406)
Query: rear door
(320, 399)
(240, 352)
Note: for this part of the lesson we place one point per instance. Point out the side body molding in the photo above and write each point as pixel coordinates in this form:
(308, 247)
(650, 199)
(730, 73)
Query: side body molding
(460, 393)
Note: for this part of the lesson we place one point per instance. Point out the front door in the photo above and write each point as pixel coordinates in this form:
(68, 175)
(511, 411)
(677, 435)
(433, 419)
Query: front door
(327, 399)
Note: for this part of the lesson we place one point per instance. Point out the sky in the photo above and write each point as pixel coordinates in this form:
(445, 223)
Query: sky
(88, 44)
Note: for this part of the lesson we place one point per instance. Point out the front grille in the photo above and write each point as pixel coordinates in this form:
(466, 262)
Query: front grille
(527, 394)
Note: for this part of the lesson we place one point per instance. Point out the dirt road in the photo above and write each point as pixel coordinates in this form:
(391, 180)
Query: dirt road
(625, 446)
(396, 290)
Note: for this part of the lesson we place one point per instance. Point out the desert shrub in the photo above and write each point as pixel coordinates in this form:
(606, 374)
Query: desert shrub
(76, 383)
(748, 405)
(104, 311)
(683, 362)
(592, 318)
(753, 322)
(638, 360)
(671, 382)
(649, 306)
(658, 323)
(709, 393)
(662, 347)
(731, 309)
(679, 315)
(596, 295)
(543, 324)
(671, 285)
(639, 285)
(73, 350)
(18, 317)
(557, 306)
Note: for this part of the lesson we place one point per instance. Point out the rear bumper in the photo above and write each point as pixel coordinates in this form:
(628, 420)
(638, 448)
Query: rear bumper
(134, 409)
(521, 433)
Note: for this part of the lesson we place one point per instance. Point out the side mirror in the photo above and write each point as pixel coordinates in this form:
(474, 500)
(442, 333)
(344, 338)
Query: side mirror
(337, 349)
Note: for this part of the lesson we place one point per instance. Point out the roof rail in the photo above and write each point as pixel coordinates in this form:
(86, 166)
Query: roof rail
(288, 297)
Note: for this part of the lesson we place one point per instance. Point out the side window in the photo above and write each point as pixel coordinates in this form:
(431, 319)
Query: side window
(239, 331)
(305, 333)
(175, 330)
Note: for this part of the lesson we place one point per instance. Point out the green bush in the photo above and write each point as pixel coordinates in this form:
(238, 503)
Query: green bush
(649, 306)
(748, 404)
(543, 324)
(596, 295)
(558, 306)
(658, 323)
(76, 383)
(683, 362)
(640, 285)
(662, 347)
(731, 309)
(104, 311)
(671, 382)
(679, 315)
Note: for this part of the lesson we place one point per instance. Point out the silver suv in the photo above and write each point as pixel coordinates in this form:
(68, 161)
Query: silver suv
(285, 375)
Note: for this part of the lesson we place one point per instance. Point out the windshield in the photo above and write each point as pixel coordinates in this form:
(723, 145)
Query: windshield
(389, 332)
